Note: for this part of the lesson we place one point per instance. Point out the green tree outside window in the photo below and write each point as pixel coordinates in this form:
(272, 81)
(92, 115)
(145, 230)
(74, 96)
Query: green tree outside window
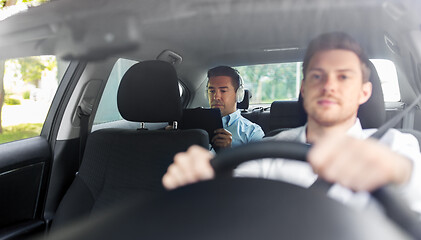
(272, 82)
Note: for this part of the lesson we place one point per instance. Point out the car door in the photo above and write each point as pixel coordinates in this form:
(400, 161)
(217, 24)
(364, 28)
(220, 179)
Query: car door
(31, 114)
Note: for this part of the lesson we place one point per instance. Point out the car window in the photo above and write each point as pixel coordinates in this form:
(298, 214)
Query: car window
(28, 87)
(389, 79)
(107, 109)
(271, 82)
(281, 81)
(10, 8)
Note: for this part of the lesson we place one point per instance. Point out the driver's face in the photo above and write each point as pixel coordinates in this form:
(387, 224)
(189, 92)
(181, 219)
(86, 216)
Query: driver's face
(333, 88)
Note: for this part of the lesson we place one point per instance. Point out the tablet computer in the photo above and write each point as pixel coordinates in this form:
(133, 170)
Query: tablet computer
(208, 119)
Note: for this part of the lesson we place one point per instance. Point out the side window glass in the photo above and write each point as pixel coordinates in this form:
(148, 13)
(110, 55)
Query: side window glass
(184, 93)
(107, 109)
(271, 82)
(388, 78)
(27, 88)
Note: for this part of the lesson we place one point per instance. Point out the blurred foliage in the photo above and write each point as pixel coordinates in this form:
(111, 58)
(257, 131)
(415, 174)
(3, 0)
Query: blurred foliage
(31, 68)
(11, 101)
(26, 95)
(26, 2)
(35, 2)
(6, 11)
(21, 131)
(271, 82)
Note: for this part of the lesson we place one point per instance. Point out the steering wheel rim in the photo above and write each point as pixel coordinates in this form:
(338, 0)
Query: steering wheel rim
(226, 161)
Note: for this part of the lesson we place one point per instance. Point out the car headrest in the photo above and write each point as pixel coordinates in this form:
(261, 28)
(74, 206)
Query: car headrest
(148, 92)
(245, 103)
(287, 114)
(372, 114)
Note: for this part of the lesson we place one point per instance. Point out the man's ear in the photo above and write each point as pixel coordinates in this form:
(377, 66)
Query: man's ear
(365, 92)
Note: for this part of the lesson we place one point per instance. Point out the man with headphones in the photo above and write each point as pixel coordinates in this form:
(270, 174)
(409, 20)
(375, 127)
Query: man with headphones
(225, 88)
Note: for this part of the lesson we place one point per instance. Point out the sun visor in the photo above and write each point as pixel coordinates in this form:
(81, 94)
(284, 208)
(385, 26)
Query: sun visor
(95, 38)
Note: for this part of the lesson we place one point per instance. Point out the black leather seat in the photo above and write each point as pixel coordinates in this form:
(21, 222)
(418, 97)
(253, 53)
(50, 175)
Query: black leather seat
(372, 114)
(118, 163)
(256, 115)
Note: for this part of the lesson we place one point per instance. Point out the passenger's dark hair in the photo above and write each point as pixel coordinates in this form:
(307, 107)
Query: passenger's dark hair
(226, 71)
(337, 40)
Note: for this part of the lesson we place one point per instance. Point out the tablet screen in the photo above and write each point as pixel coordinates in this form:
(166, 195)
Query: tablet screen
(208, 119)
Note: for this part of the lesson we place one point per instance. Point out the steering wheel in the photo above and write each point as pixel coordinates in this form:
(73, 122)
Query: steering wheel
(239, 208)
(394, 206)
(225, 162)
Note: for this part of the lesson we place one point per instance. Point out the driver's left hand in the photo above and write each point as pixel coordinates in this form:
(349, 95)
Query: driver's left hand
(361, 165)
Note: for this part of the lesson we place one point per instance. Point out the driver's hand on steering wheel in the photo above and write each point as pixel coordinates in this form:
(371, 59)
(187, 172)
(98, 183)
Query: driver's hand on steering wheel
(189, 167)
(361, 165)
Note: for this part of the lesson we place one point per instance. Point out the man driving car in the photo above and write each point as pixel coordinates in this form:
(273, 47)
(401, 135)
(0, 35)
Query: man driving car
(335, 84)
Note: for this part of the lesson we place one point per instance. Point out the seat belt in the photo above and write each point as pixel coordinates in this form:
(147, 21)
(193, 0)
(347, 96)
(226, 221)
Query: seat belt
(84, 111)
(395, 120)
(321, 184)
(394, 207)
(400, 213)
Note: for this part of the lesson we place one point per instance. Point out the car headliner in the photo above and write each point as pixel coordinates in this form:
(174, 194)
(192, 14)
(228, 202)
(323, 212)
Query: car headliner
(204, 32)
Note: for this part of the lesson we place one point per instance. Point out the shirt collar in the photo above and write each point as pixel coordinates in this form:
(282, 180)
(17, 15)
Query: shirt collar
(355, 131)
(231, 118)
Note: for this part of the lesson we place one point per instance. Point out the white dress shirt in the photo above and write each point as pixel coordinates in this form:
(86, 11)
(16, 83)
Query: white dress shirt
(301, 173)
(242, 130)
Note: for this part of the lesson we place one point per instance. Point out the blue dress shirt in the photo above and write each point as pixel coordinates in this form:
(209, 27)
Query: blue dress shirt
(242, 130)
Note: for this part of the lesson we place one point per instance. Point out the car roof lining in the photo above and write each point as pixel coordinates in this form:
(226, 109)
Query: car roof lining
(284, 24)
(199, 28)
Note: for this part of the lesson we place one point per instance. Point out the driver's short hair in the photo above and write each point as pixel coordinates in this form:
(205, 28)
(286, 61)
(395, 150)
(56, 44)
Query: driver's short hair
(337, 40)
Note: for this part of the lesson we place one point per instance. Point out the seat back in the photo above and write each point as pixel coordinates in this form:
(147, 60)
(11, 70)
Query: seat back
(118, 163)
(286, 115)
(244, 105)
(257, 115)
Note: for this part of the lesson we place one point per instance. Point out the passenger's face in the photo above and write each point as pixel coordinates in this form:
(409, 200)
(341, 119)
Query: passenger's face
(333, 88)
(221, 94)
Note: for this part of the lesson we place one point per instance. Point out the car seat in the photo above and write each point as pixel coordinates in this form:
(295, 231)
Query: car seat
(256, 115)
(119, 163)
(244, 105)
